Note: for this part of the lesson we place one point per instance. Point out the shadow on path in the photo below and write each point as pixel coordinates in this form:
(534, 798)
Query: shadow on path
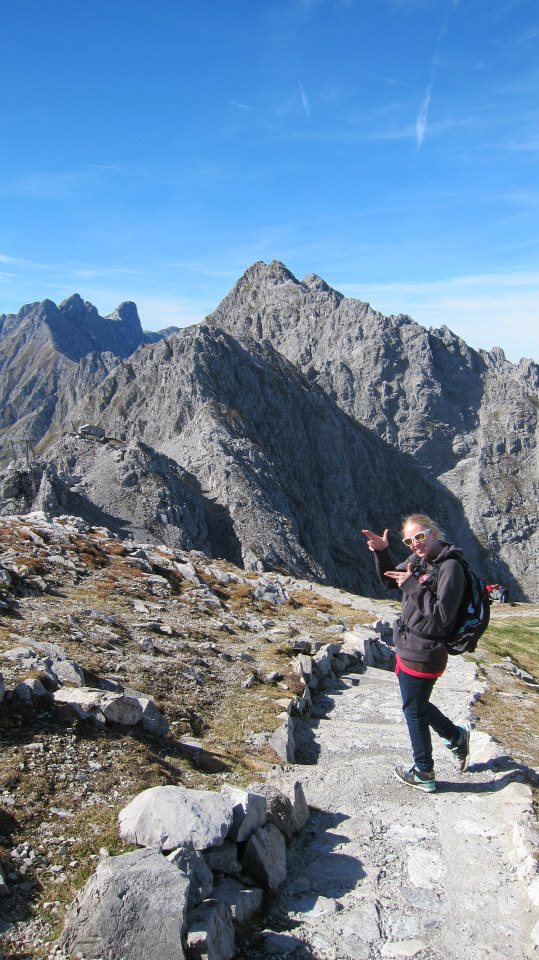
(318, 871)
(307, 746)
(513, 771)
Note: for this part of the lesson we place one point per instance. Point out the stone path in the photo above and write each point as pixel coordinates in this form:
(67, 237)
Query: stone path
(384, 871)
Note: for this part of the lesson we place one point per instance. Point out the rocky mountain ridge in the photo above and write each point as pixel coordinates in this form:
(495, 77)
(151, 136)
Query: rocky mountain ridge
(468, 417)
(296, 416)
(49, 352)
(283, 477)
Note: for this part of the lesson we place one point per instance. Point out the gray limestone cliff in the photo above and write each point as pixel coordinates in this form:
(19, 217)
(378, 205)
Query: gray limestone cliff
(468, 417)
(295, 416)
(292, 478)
(49, 354)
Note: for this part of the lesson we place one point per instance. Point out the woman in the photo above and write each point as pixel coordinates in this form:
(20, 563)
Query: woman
(433, 583)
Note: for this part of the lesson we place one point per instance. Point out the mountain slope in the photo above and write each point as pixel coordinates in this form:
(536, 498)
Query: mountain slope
(470, 418)
(296, 477)
(45, 348)
(296, 416)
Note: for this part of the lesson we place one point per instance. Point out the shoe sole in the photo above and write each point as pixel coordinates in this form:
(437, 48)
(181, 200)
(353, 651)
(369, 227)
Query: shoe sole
(416, 786)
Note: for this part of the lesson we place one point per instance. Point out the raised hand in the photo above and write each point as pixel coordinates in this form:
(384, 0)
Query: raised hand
(375, 542)
(400, 576)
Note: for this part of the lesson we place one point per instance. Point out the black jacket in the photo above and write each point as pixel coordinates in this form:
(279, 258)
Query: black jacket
(431, 599)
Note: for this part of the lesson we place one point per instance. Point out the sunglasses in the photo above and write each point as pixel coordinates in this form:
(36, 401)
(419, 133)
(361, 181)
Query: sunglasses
(418, 538)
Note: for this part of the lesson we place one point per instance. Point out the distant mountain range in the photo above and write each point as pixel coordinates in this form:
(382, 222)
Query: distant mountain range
(274, 431)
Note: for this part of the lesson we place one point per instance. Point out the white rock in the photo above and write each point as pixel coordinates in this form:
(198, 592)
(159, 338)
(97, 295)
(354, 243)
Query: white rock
(300, 809)
(152, 720)
(303, 666)
(188, 572)
(403, 948)
(525, 839)
(283, 741)
(68, 672)
(322, 663)
(249, 812)
(533, 891)
(172, 817)
(425, 868)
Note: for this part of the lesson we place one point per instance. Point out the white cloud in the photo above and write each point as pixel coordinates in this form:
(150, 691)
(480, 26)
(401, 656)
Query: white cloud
(17, 261)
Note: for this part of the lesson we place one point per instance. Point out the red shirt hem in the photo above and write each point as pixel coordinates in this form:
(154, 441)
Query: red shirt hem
(416, 673)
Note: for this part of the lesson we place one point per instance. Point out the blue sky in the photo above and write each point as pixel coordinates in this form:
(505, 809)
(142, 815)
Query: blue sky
(151, 151)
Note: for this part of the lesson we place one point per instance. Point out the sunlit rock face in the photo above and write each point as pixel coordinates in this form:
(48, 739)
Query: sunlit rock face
(272, 433)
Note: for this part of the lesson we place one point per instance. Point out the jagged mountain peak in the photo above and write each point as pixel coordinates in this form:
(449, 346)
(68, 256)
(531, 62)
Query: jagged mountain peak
(75, 306)
(277, 370)
(275, 272)
(126, 312)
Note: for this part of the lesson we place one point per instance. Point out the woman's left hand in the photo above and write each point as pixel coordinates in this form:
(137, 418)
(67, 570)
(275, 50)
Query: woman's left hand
(400, 576)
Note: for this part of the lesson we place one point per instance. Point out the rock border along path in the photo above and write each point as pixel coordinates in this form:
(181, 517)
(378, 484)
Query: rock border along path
(382, 870)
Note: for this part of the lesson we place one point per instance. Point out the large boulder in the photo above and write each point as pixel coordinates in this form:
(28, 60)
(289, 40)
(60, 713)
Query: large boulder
(173, 817)
(100, 705)
(133, 907)
(104, 706)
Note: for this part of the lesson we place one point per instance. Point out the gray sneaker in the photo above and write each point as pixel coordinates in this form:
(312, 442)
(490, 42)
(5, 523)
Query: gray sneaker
(461, 751)
(417, 778)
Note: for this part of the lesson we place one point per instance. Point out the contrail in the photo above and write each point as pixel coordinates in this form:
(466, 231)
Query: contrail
(305, 102)
(421, 119)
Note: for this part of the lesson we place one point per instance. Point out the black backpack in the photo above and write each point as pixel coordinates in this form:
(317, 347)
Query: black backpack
(473, 616)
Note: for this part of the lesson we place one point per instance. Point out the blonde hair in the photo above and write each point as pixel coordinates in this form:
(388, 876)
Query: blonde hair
(424, 521)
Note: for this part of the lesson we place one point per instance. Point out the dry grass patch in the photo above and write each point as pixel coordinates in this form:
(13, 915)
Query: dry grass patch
(509, 708)
(239, 727)
(516, 637)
